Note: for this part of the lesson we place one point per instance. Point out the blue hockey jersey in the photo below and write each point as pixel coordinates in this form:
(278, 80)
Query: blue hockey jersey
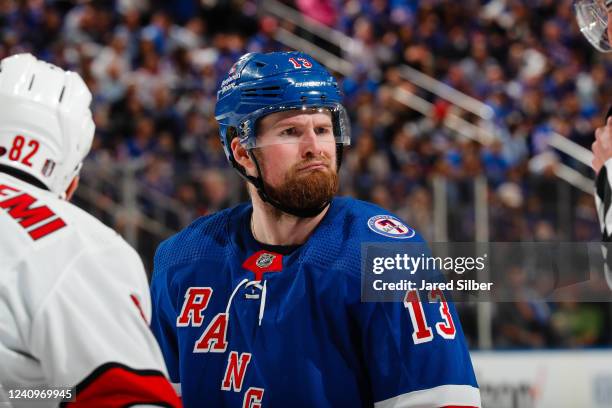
(243, 325)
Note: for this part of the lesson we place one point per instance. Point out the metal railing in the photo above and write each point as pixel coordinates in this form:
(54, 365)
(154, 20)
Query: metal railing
(114, 189)
(483, 132)
(286, 13)
(452, 120)
(573, 177)
(348, 46)
(446, 92)
(570, 148)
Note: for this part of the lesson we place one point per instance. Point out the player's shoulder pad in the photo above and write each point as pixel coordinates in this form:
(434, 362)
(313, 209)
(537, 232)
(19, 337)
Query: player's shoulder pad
(207, 236)
(352, 223)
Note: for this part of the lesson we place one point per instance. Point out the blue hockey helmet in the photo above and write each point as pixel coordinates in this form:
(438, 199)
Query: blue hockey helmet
(260, 84)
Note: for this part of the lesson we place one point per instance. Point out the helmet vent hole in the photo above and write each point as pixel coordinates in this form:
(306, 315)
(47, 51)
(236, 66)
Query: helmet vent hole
(62, 93)
(260, 64)
(264, 92)
(31, 82)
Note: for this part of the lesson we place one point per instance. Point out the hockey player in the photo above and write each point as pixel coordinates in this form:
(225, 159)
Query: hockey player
(259, 305)
(74, 297)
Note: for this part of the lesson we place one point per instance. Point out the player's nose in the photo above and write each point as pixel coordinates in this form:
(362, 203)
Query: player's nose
(310, 142)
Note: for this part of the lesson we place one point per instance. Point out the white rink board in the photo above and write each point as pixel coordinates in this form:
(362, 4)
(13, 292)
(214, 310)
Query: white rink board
(545, 379)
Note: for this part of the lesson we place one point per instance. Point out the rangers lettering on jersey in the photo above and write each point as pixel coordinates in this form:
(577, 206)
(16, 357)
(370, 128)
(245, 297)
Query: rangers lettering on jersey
(214, 340)
(214, 337)
(21, 208)
(235, 371)
(196, 300)
(253, 397)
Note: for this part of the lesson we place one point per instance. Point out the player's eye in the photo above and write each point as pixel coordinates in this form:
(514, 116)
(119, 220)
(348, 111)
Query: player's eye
(323, 130)
(289, 132)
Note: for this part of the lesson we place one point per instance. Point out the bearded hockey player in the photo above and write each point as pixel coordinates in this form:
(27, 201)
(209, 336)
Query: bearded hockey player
(259, 305)
(74, 298)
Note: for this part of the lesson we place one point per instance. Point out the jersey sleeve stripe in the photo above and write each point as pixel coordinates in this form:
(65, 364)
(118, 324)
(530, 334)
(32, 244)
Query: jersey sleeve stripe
(115, 385)
(452, 395)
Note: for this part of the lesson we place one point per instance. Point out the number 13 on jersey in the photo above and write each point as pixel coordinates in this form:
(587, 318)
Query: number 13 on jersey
(422, 332)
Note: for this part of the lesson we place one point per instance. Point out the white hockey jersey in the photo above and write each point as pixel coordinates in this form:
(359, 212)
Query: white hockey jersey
(74, 306)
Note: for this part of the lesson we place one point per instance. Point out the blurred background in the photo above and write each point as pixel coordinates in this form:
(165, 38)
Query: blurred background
(470, 120)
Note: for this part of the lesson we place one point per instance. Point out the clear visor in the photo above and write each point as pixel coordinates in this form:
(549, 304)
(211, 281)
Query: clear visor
(294, 125)
(592, 18)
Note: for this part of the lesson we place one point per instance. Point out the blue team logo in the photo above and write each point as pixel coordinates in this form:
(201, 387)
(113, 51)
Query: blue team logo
(391, 227)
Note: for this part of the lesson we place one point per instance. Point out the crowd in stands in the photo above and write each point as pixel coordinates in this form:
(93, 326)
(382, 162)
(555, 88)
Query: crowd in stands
(154, 68)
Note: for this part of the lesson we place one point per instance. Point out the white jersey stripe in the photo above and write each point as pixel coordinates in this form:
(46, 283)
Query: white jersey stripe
(444, 395)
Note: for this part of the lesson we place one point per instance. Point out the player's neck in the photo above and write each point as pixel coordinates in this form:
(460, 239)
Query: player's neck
(273, 227)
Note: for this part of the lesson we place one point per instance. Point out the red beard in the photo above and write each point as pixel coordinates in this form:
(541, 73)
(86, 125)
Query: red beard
(306, 190)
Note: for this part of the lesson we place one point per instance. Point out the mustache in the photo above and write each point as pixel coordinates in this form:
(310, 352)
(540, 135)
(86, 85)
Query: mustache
(320, 160)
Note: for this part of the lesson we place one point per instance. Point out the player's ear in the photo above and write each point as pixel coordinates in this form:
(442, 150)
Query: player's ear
(242, 157)
(74, 184)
